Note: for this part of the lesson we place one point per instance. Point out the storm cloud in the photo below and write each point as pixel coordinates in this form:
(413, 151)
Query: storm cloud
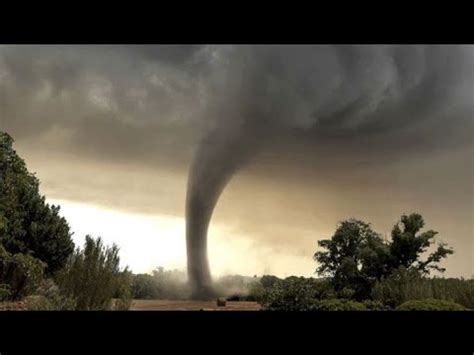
(350, 123)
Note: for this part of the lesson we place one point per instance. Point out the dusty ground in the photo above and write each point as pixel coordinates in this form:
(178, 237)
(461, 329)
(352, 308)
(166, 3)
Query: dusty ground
(164, 305)
(13, 306)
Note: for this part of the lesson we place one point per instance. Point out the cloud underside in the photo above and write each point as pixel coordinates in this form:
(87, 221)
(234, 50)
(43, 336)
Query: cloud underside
(365, 131)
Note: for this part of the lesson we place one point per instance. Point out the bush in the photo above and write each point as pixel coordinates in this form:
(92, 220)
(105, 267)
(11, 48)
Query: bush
(48, 297)
(256, 292)
(456, 290)
(122, 304)
(402, 285)
(4, 292)
(92, 277)
(292, 294)
(268, 281)
(144, 286)
(20, 274)
(338, 305)
(162, 284)
(405, 285)
(430, 305)
(375, 305)
(123, 292)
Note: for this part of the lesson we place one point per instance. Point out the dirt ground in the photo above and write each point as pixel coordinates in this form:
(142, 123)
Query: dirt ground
(13, 306)
(165, 305)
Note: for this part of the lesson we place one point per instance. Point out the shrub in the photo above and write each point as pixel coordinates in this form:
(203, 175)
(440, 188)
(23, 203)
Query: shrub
(123, 292)
(268, 281)
(291, 294)
(162, 284)
(4, 292)
(21, 273)
(256, 292)
(338, 305)
(430, 304)
(375, 305)
(48, 297)
(323, 289)
(92, 276)
(404, 285)
(123, 304)
(144, 286)
(457, 290)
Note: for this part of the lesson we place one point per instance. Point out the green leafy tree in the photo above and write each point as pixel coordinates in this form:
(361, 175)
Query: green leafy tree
(356, 256)
(29, 225)
(407, 247)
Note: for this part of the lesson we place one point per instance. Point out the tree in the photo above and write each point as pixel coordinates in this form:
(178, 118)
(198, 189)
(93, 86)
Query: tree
(356, 256)
(407, 247)
(28, 224)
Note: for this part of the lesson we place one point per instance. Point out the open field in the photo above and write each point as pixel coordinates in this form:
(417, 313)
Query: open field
(175, 305)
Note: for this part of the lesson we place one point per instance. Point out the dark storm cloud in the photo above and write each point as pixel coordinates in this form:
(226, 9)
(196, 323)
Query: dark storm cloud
(322, 114)
(305, 93)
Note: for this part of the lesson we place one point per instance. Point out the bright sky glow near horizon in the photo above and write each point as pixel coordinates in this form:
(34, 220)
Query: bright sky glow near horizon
(147, 242)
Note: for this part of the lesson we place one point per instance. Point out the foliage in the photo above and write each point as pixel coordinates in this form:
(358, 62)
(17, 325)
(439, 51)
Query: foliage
(356, 257)
(304, 294)
(408, 284)
(338, 305)
(124, 303)
(93, 277)
(268, 281)
(20, 274)
(162, 284)
(5, 293)
(292, 294)
(123, 292)
(48, 297)
(29, 225)
(256, 292)
(144, 286)
(375, 305)
(457, 290)
(407, 247)
(430, 304)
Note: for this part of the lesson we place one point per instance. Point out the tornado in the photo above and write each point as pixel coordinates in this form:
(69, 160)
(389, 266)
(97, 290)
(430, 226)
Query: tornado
(220, 154)
(249, 93)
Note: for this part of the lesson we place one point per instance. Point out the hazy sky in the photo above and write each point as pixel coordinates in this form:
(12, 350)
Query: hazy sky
(344, 131)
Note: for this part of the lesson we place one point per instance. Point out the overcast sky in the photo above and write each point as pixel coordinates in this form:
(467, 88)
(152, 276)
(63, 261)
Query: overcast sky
(343, 131)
